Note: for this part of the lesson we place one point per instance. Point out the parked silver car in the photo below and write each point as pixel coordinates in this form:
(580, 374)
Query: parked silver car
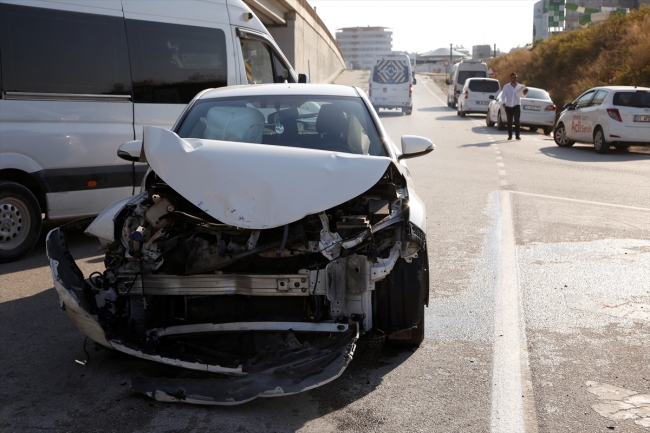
(537, 111)
(276, 225)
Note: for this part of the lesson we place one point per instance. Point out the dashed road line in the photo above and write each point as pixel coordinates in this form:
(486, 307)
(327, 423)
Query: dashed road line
(583, 201)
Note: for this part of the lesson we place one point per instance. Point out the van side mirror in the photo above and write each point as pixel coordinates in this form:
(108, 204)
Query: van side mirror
(303, 78)
(130, 151)
(414, 146)
(447, 82)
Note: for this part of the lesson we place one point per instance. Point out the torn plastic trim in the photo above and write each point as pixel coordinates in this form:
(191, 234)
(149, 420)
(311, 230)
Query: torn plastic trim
(274, 382)
(249, 326)
(70, 286)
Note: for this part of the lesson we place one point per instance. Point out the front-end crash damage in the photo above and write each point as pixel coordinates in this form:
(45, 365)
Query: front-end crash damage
(278, 309)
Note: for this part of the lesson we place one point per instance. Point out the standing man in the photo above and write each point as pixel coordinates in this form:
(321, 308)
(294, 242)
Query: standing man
(511, 96)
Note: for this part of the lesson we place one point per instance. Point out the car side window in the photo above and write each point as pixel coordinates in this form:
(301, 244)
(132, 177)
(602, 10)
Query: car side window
(42, 52)
(598, 98)
(583, 101)
(172, 63)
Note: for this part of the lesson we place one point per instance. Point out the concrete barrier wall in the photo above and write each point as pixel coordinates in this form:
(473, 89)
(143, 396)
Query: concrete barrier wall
(307, 43)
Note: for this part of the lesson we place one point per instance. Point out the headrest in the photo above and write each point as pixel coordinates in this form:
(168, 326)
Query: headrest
(331, 120)
(242, 124)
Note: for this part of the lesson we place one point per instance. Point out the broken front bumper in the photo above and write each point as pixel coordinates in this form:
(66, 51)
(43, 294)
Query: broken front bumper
(295, 372)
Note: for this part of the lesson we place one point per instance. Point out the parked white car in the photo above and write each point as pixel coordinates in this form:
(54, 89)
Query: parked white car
(276, 225)
(618, 115)
(476, 95)
(537, 111)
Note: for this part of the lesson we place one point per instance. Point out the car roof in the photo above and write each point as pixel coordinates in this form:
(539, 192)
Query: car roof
(481, 78)
(619, 88)
(287, 89)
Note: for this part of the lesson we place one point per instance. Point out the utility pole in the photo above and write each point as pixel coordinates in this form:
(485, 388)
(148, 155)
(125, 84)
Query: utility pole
(495, 50)
(451, 61)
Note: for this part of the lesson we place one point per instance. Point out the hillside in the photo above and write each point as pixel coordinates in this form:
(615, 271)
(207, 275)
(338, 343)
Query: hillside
(616, 52)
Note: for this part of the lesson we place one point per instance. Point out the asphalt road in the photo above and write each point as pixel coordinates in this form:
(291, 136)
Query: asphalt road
(538, 321)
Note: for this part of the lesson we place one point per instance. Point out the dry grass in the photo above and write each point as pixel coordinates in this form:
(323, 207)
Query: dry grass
(616, 52)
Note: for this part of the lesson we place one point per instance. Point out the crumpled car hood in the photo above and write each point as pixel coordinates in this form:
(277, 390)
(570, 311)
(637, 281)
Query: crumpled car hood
(258, 186)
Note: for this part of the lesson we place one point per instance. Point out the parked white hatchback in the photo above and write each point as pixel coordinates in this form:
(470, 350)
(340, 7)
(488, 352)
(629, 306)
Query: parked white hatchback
(618, 115)
(476, 95)
(537, 111)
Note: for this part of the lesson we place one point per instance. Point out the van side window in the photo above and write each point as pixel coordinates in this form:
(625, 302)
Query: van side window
(262, 64)
(50, 51)
(172, 63)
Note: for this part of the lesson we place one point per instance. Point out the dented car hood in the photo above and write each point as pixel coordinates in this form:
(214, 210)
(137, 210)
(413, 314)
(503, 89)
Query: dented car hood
(258, 186)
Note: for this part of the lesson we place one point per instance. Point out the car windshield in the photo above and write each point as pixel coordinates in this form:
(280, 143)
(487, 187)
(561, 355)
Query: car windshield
(330, 123)
(484, 86)
(637, 99)
(538, 94)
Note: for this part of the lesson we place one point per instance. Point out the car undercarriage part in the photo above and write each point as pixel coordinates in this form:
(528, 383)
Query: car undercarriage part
(286, 303)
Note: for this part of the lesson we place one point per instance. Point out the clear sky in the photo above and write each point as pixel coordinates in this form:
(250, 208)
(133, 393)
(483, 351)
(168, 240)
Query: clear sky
(424, 25)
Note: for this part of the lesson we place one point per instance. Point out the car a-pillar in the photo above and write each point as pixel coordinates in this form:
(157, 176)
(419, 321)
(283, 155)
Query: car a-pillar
(20, 220)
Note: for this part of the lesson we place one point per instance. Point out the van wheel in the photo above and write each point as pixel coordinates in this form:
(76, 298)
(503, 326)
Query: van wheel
(561, 138)
(409, 111)
(533, 128)
(600, 144)
(20, 221)
(463, 113)
(457, 112)
(500, 125)
(548, 130)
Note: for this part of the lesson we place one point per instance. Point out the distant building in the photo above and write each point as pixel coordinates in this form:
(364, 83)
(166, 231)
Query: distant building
(441, 54)
(360, 45)
(462, 49)
(481, 52)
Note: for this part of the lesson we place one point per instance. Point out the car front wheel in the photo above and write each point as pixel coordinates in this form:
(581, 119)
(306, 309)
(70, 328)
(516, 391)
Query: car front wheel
(488, 122)
(548, 130)
(600, 144)
(561, 138)
(500, 125)
(20, 221)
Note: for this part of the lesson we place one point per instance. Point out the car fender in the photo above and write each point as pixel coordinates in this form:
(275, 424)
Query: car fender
(417, 210)
(17, 161)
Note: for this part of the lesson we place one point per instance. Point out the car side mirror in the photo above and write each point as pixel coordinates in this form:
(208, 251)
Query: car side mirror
(303, 78)
(447, 82)
(568, 106)
(491, 96)
(414, 146)
(131, 151)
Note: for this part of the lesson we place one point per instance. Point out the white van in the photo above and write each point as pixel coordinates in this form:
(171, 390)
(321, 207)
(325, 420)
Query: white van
(79, 78)
(476, 95)
(462, 71)
(390, 83)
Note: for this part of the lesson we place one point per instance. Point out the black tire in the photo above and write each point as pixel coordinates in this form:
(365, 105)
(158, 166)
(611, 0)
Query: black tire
(20, 221)
(457, 112)
(487, 120)
(560, 136)
(463, 113)
(533, 128)
(500, 125)
(600, 144)
(409, 111)
(548, 130)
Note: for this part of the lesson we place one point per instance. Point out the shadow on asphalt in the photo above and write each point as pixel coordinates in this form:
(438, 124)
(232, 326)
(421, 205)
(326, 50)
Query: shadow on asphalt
(486, 144)
(586, 153)
(44, 386)
(390, 113)
(429, 109)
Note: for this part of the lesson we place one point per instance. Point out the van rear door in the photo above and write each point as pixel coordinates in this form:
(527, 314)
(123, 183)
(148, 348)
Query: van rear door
(391, 82)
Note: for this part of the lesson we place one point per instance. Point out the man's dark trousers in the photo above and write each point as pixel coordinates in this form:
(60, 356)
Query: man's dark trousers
(510, 113)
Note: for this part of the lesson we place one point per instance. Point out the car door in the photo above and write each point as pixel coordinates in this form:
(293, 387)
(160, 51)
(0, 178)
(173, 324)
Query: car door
(578, 130)
(591, 113)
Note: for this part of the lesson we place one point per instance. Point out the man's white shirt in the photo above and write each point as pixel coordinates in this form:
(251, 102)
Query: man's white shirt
(509, 95)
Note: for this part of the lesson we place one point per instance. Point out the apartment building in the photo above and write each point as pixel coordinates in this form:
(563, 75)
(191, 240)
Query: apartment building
(362, 44)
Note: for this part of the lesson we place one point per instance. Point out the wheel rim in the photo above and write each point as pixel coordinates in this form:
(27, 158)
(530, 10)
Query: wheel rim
(560, 135)
(14, 223)
(598, 140)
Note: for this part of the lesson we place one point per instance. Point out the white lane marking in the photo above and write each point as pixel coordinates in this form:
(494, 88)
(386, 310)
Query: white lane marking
(434, 95)
(500, 164)
(619, 403)
(502, 173)
(510, 364)
(583, 201)
(499, 158)
(503, 182)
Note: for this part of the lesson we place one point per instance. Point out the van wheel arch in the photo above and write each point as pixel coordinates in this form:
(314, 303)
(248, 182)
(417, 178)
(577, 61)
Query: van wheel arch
(29, 181)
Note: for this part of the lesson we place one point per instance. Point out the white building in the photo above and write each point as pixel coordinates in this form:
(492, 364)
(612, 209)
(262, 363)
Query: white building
(362, 44)
(481, 52)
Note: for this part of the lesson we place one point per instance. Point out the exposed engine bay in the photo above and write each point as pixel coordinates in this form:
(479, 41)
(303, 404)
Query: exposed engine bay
(286, 303)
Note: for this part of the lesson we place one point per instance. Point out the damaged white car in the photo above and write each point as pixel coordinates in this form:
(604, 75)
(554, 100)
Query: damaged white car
(277, 224)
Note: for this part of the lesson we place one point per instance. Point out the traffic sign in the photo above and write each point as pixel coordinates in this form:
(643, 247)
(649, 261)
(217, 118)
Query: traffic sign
(446, 64)
(491, 72)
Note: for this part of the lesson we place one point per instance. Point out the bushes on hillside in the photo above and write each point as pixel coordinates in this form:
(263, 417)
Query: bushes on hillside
(616, 52)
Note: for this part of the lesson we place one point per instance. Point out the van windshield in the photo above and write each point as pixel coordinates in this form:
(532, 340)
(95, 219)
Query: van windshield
(391, 72)
(638, 99)
(464, 75)
(484, 86)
